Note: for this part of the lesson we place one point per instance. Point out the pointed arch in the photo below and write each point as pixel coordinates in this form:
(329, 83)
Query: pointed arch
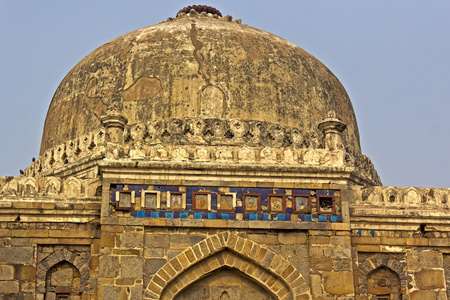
(52, 186)
(225, 249)
(376, 262)
(79, 261)
(72, 187)
(392, 196)
(29, 186)
(412, 196)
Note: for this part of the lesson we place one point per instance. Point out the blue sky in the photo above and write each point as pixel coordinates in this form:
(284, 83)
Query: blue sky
(391, 56)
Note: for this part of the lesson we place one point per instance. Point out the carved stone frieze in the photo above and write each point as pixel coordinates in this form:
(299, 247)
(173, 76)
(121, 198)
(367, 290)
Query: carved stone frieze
(396, 197)
(197, 139)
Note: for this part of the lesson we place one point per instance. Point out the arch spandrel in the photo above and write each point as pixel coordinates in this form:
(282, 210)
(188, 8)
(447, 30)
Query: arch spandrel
(226, 250)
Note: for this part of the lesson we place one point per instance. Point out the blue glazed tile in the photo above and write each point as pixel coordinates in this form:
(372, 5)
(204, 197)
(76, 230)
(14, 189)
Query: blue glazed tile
(148, 213)
(372, 232)
(137, 187)
(263, 196)
(235, 190)
(301, 191)
(232, 216)
(155, 214)
(141, 214)
(183, 215)
(225, 216)
(266, 217)
(198, 215)
(301, 217)
(331, 192)
(188, 200)
(190, 189)
(137, 193)
(239, 209)
(162, 214)
(167, 188)
(274, 216)
(191, 213)
(264, 202)
(119, 187)
(188, 207)
(169, 215)
(287, 217)
(253, 216)
(329, 218)
(211, 216)
(204, 215)
(280, 191)
(339, 218)
(219, 216)
(315, 216)
(289, 210)
(333, 218)
(113, 196)
(260, 216)
(176, 214)
(213, 203)
(308, 218)
(134, 213)
(280, 218)
(322, 218)
(358, 231)
(212, 189)
(246, 216)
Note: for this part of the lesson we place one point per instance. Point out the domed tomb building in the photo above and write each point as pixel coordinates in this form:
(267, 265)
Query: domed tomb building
(201, 158)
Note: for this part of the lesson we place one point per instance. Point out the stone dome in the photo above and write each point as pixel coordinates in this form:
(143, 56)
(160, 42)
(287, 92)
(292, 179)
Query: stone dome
(198, 66)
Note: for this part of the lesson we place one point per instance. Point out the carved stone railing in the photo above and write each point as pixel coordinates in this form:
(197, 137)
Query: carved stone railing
(55, 187)
(401, 197)
(206, 140)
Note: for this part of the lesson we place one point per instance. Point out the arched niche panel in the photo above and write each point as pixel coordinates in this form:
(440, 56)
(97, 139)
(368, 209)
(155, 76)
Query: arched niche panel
(65, 257)
(372, 270)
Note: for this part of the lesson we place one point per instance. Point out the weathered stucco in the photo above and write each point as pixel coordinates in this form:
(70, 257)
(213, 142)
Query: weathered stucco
(198, 67)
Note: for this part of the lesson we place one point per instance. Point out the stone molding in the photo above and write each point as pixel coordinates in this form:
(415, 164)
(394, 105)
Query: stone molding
(271, 270)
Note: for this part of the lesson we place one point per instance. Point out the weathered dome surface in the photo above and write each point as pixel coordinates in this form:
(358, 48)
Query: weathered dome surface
(198, 67)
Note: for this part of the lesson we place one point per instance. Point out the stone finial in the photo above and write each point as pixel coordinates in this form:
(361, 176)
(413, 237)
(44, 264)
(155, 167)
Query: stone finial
(114, 123)
(199, 9)
(332, 128)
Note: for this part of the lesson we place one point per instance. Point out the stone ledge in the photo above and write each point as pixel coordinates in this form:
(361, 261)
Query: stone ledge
(204, 223)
